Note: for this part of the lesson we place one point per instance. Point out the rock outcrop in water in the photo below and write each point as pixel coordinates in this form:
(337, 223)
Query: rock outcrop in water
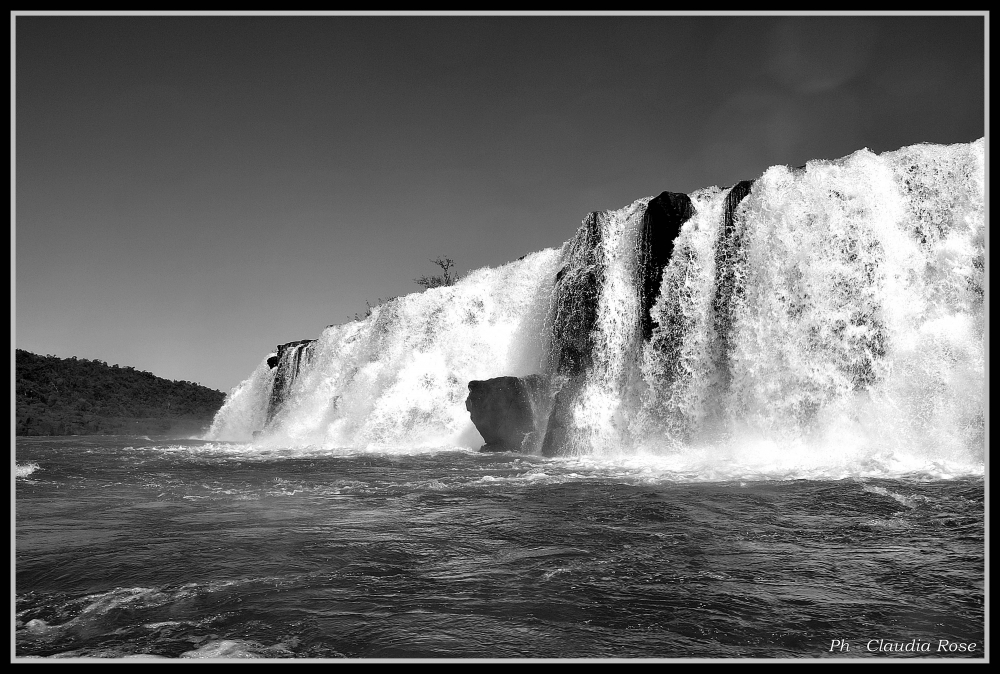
(839, 304)
(507, 411)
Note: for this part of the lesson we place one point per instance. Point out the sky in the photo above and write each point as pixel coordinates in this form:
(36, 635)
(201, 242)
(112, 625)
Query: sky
(191, 191)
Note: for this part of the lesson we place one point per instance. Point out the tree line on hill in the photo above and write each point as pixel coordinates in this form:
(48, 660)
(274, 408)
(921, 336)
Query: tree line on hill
(76, 396)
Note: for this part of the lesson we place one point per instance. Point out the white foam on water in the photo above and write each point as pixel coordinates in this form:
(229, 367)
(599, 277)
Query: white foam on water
(271, 449)
(226, 648)
(25, 469)
(93, 606)
(911, 501)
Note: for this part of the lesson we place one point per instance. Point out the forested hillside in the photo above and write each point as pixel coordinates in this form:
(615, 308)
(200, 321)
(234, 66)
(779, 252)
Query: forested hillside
(67, 396)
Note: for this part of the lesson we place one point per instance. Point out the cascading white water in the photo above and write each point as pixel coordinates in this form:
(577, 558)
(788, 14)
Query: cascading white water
(856, 325)
(245, 409)
(599, 417)
(679, 364)
(828, 313)
(400, 377)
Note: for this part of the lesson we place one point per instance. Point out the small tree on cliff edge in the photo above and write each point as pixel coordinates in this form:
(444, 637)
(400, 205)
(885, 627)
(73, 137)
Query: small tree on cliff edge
(446, 279)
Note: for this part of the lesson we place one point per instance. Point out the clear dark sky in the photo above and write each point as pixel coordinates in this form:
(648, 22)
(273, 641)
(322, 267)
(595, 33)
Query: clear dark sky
(191, 191)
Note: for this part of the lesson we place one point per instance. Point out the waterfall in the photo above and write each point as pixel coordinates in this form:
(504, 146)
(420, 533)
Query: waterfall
(287, 363)
(399, 378)
(835, 308)
(840, 304)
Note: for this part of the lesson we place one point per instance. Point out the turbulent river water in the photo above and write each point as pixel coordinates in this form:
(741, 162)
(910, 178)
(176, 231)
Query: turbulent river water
(129, 546)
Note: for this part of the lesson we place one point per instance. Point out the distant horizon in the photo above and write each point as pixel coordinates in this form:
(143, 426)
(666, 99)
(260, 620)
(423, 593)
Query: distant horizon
(192, 191)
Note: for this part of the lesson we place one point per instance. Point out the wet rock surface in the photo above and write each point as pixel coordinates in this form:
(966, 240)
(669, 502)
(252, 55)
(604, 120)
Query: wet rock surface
(506, 410)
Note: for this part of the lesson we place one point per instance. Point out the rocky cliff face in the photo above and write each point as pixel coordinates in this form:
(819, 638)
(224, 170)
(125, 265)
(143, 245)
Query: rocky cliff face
(287, 363)
(641, 246)
(615, 258)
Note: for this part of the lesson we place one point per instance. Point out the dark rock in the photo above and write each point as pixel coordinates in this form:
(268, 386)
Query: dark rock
(577, 290)
(661, 223)
(273, 361)
(571, 346)
(505, 411)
